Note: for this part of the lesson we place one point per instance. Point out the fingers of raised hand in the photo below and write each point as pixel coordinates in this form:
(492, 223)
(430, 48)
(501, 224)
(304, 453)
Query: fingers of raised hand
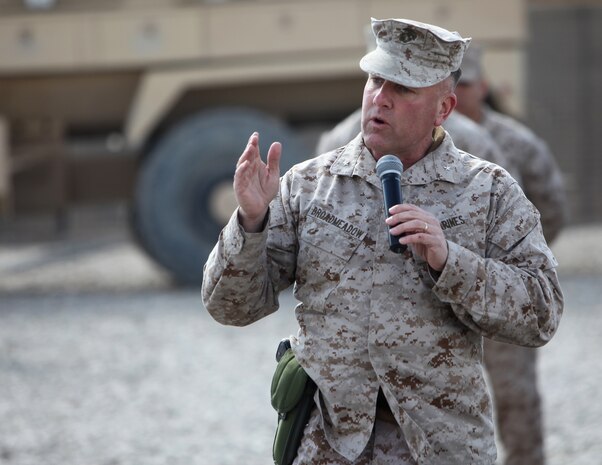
(251, 150)
(273, 159)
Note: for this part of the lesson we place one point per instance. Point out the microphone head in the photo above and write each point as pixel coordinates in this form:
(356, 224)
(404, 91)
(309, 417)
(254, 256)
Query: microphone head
(388, 164)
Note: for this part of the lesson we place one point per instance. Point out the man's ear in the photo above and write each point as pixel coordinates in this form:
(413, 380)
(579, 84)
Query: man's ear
(446, 106)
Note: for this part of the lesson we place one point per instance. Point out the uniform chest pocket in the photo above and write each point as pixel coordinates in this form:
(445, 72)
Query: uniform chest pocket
(324, 252)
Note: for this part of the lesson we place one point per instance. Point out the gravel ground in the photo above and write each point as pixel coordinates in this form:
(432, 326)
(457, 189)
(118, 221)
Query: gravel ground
(104, 362)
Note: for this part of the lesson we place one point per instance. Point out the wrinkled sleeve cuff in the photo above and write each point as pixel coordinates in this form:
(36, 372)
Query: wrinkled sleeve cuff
(458, 276)
(235, 238)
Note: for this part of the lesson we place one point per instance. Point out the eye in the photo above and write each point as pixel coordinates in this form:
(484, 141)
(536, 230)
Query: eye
(376, 81)
(403, 89)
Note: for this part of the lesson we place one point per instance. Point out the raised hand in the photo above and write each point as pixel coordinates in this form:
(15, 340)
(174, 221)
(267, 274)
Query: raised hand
(256, 183)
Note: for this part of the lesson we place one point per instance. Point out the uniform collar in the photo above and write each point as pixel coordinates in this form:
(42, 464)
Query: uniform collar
(442, 164)
(356, 160)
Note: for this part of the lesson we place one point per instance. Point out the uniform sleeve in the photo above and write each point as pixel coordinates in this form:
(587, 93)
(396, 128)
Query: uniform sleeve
(493, 153)
(543, 185)
(245, 272)
(512, 294)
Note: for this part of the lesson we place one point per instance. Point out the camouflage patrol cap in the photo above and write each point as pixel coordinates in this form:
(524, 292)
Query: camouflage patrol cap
(472, 69)
(412, 53)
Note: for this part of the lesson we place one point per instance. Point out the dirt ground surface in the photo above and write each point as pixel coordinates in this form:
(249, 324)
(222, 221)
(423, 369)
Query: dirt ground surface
(104, 362)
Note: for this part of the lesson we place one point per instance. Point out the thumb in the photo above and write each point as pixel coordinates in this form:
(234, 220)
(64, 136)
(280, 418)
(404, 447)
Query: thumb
(274, 158)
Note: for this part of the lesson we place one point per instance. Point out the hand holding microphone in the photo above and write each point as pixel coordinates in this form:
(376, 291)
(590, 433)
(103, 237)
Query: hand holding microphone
(407, 222)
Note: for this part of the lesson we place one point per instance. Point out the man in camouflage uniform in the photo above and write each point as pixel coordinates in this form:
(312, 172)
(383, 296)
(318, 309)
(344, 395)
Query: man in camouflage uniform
(392, 341)
(512, 369)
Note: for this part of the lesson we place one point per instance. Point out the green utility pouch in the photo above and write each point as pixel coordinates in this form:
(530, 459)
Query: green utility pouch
(292, 397)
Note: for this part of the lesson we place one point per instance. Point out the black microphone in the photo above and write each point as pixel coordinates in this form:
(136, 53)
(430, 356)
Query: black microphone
(389, 169)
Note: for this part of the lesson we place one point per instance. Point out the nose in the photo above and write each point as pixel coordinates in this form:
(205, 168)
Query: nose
(382, 95)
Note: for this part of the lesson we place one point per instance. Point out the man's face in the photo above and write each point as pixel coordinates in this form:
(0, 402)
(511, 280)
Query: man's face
(470, 98)
(399, 120)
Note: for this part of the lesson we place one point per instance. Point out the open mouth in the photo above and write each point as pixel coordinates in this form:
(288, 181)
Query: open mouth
(379, 121)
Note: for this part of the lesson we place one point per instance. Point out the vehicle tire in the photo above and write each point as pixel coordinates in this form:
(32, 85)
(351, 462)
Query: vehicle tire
(183, 186)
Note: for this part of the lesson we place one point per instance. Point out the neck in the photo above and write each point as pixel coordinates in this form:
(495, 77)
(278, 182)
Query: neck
(423, 149)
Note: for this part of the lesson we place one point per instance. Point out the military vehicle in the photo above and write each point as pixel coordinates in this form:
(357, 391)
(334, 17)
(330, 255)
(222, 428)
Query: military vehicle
(152, 101)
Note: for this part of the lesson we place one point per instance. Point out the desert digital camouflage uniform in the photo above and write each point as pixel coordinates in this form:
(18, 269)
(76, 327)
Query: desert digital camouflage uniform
(513, 369)
(540, 176)
(370, 319)
(466, 135)
(386, 446)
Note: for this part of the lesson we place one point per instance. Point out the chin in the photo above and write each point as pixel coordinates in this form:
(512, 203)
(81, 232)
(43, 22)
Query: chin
(374, 147)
